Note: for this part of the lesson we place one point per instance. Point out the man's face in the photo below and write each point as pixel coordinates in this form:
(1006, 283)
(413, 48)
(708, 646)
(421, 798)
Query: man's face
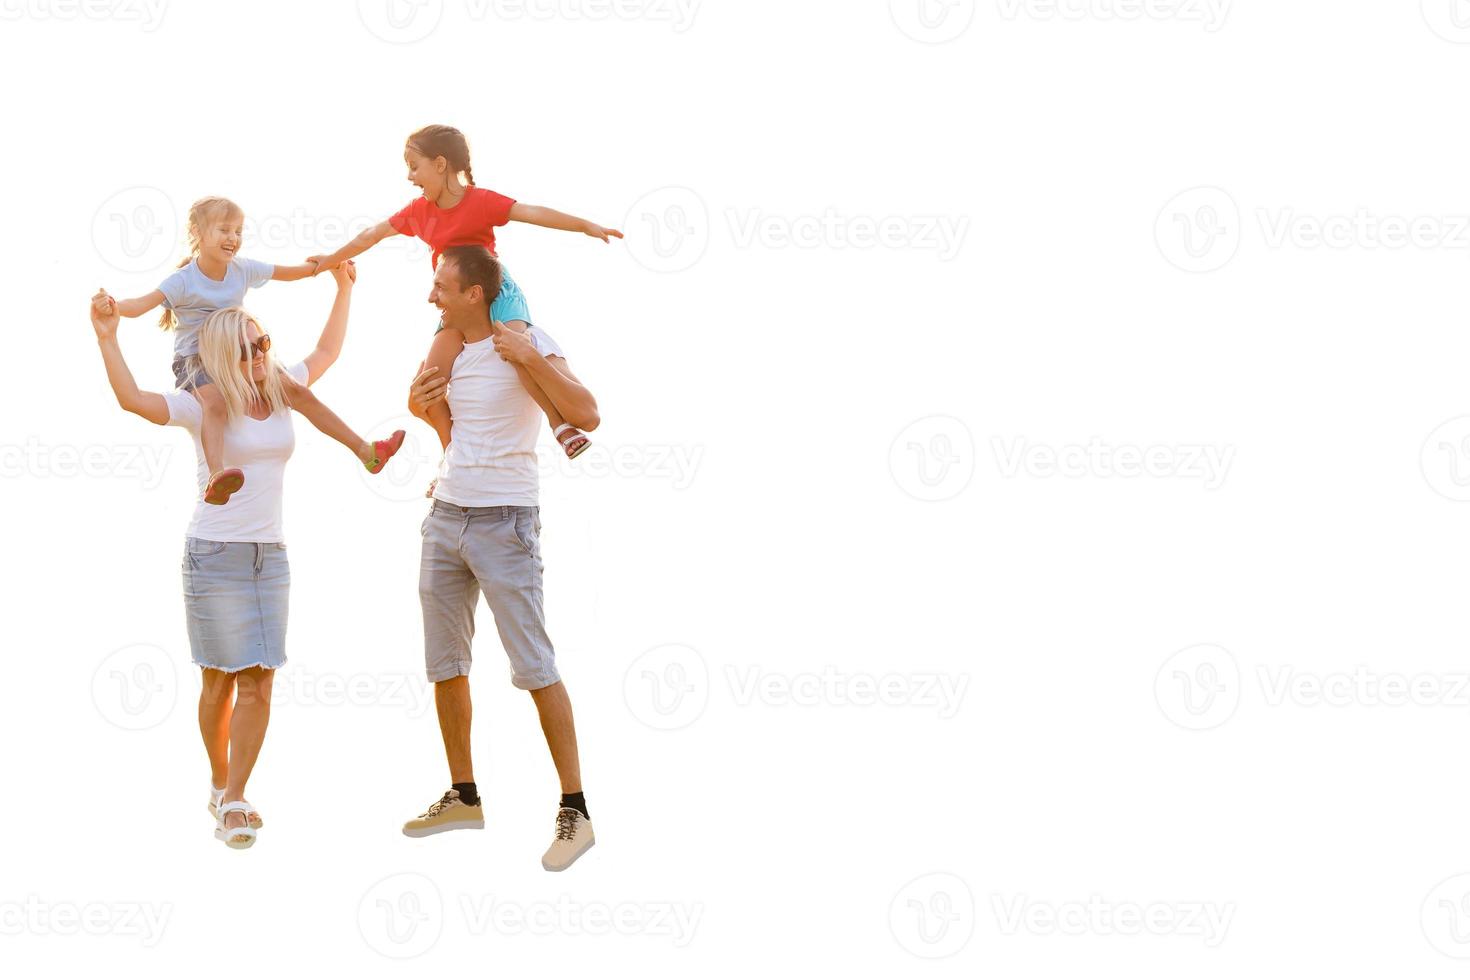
(452, 301)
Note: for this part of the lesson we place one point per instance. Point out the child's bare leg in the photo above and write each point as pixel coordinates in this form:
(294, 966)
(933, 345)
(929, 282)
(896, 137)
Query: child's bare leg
(222, 482)
(212, 428)
(447, 345)
(572, 439)
(329, 424)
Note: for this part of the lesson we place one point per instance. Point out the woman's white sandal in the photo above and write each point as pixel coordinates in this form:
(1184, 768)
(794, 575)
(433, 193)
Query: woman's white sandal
(217, 796)
(236, 837)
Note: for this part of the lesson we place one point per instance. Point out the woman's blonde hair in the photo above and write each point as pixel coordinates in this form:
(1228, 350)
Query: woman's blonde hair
(203, 213)
(221, 337)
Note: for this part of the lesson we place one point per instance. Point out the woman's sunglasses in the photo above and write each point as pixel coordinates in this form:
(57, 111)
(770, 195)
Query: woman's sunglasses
(249, 350)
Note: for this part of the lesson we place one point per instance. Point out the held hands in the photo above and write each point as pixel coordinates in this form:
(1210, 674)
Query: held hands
(318, 263)
(104, 318)
(104, 304)
(597, 231)
(344, 272)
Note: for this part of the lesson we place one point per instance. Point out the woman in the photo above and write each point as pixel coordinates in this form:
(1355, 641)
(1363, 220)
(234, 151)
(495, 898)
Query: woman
(235, 572)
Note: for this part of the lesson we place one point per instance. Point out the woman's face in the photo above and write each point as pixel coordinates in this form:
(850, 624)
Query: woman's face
(253, 366)
(425, 174)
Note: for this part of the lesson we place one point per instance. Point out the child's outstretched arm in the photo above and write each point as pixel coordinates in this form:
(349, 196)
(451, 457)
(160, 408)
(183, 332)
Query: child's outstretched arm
(534, 214)
(105, 305)
(360, 243)
(291, 273)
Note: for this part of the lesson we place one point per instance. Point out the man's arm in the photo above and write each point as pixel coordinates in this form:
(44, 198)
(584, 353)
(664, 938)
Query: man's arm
(571, 398)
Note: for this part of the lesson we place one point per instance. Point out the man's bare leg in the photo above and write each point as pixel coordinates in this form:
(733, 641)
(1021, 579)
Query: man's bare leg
(452, 700)
(555, 709)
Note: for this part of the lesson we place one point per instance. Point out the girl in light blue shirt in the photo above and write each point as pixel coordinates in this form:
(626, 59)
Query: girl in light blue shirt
(214, 277)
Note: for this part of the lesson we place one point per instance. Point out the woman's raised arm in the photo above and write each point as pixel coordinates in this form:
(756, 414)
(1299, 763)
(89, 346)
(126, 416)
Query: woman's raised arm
(329, 344)
(148, 404)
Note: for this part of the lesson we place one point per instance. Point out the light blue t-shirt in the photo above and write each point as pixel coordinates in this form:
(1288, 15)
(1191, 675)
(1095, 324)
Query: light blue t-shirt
(193, 296)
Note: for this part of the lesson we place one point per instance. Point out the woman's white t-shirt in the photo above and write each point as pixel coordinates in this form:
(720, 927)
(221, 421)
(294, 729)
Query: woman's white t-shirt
(259, 448)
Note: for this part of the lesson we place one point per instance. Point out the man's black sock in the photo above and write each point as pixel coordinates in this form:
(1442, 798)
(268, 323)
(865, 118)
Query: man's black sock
(467, 793)
(576, 802)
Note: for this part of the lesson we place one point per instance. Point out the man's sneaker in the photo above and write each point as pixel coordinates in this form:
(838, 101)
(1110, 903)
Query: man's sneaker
(450, 813)
(573, 836)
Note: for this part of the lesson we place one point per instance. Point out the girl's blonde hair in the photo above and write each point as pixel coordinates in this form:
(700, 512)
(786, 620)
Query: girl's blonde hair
(220, 339)
(202, 214)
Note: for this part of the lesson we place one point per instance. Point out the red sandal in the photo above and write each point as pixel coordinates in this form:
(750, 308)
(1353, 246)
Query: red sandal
(383, 451)
(222, 485)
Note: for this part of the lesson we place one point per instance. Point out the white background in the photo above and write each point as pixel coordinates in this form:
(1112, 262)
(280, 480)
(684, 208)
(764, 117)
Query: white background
(1206, 716)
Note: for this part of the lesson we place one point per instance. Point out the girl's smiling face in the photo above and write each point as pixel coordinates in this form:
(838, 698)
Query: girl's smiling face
(221, 240)
(425, 174)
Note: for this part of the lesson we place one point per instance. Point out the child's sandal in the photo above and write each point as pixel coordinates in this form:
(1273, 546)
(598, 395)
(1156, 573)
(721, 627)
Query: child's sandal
(383, 451)
(573, 440)
(237, 837)
(222, 485)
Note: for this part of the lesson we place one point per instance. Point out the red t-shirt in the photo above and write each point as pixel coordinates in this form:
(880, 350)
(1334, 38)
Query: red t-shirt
(470, 222)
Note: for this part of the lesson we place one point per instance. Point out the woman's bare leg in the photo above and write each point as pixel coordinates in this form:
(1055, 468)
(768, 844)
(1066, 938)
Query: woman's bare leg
(247, 732)
(216, 704)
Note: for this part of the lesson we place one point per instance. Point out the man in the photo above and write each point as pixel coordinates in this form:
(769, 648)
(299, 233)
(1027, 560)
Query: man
(481, 536)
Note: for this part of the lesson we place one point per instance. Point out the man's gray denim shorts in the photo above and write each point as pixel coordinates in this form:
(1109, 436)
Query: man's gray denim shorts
(497, 551)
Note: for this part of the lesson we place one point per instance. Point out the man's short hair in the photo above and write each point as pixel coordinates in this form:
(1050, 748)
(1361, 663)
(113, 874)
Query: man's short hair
(477, 267)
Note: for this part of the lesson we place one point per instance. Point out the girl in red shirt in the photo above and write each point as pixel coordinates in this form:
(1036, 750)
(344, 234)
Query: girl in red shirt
(451, 212)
